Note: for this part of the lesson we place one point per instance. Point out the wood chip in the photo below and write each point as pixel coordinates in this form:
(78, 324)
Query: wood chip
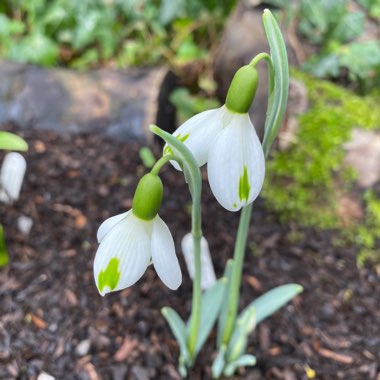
(38, 322)
(125, 349)
(39, 146)
(345, 359)
(71, 297)
(80, 221)
(254, 283)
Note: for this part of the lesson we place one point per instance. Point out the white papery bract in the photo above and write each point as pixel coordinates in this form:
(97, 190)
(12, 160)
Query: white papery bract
(228, 142)
(127, 246)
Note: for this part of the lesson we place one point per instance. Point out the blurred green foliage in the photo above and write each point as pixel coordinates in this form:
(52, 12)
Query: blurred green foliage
(334, 28)
(305, 182)
(4, 257)
(121, 32)
(188, 105)
(367, 234)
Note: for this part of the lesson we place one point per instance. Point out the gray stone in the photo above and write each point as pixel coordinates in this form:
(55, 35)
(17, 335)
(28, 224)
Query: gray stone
(24, 224)
(363, 154)
(118, 104)
(83, 347)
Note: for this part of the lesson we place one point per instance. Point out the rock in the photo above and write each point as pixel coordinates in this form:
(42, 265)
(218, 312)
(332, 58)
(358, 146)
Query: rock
(243, 38)
(24, 224)
(363, 154)
(45, 376)
(298, 104)
(119, 104)
(83, 347)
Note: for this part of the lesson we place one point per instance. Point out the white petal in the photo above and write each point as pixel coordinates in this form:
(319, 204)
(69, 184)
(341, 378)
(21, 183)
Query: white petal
(163, 255)
(198, 132)
(108, 224)
(236, 159)
(128, 244)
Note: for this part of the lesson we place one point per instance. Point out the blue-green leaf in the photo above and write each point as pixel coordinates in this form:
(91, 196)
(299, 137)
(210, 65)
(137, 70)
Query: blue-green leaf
(313, 11)
(245, 324)
(350, 26)
(10, 141)
(178, 328)
(279, 96)
(224, 307)
(243, 361)
(271, 301)
(219, 362)
(212, 301)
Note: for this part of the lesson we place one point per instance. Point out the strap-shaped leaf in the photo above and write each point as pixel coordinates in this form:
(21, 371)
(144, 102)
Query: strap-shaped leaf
(278, 97)
(212, 300)
(219, 362)
(10, 141)
(271, 301)
(178, 328)
(244, 325)
(243, 361)
(224, 307)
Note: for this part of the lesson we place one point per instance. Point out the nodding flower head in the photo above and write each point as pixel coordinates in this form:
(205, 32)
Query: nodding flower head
(129, 242)
(226, 140)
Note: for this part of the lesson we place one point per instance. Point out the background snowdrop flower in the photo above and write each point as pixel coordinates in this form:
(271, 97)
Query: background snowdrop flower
(130, 241)
(226, 139)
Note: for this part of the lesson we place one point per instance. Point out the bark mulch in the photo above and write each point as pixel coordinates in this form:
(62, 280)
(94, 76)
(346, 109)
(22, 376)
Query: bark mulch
(52, 319)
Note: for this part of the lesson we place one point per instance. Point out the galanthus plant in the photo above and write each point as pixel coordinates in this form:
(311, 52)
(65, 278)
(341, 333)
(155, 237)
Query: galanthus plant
(11, 176)
(226, 140)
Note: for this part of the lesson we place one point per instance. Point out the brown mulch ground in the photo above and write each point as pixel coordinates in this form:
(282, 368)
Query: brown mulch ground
(53, 320)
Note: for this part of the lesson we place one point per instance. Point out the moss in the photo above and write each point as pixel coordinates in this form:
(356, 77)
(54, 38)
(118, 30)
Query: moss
(301, 182)
(367, 234)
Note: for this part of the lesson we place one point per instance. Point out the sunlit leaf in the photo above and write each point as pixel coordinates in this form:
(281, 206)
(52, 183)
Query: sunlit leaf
(10, 141)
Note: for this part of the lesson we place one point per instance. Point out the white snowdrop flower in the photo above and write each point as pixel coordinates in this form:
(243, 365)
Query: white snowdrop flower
(129, 242)
(226, 140)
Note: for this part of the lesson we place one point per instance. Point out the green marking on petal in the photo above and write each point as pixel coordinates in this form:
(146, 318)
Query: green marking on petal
(168, 150)
(109, 277)
(244, 186)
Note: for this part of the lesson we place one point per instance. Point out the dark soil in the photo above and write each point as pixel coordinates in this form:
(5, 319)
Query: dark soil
(53, 320)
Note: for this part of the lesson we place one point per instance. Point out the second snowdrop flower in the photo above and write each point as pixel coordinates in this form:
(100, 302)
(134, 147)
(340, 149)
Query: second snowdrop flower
(226, 139)
(129, 242)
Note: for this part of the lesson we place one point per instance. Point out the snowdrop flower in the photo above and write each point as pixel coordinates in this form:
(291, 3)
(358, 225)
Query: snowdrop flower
(226, 139)
(129, 242)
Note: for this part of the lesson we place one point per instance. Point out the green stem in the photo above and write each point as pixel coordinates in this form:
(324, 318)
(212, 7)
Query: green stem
(160, 163)
(193, 177)
(237, 268)
(195, 316)
(241, 238)
(255, 60)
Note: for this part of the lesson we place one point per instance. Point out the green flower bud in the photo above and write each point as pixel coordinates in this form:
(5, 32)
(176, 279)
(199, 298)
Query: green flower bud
(242, 89)
(148, 197)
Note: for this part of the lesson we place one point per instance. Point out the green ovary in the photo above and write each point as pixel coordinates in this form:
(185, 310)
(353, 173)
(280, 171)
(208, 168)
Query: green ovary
(109, 277)
(244, 186)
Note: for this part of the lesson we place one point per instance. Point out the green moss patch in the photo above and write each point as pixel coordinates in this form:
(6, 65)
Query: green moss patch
(304, 182)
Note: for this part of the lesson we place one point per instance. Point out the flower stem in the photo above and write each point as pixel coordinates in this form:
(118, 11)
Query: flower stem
(160, 163)
(195, 316)
(237, 268)
(256, 59)
(241, 238)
